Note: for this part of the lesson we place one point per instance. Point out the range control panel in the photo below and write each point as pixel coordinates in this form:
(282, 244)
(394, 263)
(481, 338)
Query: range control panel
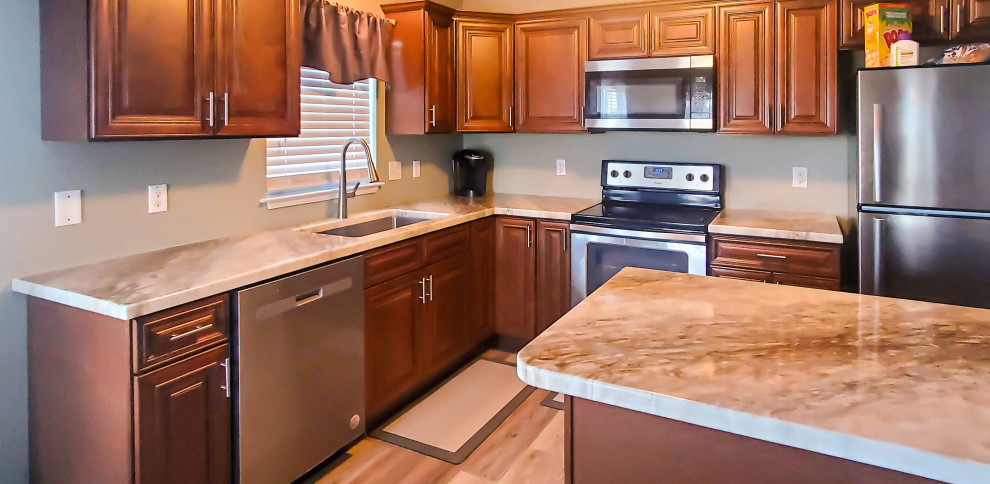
(688, 177)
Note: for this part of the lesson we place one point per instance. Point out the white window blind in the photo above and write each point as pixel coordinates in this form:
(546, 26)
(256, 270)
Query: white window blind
(306, 169)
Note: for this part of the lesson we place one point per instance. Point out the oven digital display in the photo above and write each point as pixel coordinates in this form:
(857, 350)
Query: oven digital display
(659, 173)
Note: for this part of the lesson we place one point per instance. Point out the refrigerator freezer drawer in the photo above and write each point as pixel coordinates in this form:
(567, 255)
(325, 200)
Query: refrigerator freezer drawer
(924, 257)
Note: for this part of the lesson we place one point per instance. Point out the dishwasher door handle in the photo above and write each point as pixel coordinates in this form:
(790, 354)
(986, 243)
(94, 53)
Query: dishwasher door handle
(282, 306)
(310, 297)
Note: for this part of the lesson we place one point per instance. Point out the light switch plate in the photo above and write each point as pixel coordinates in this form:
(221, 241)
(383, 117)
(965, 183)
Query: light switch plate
(394, 170)
(561, 167)
(68, 208)
(157, 198)
(417, 169)
(800, 177)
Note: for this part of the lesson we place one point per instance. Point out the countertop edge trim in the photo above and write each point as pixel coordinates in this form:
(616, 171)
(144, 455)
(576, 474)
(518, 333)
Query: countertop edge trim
(776, 234)
(844, 446)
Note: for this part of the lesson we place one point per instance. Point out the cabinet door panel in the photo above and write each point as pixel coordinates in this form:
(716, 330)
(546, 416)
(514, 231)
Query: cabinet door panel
(394, 312)
(482, 320)
(515, 278)
(688, 31)
(485, 82)
(971, 20)
(445, 331)
(806, 67)
(746, 74)
(806, 281)
(550, 57)
(742, 274)
(553, 273)
(441, 100)
(183, 422)
(619, 34)
(931, 21)
(258, 60)
(152, 68)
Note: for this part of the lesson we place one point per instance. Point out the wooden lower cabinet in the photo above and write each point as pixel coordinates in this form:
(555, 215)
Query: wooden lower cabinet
(515, 278)
(394, 314)
(481, 323)
(772, 261)
(553, 273)
(183, 421)
(445, 328)
(532, 276)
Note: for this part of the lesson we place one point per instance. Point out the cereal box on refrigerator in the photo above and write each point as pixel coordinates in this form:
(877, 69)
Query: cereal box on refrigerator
(886, 23)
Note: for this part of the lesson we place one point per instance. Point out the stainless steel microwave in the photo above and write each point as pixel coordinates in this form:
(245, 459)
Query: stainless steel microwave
(664, 93)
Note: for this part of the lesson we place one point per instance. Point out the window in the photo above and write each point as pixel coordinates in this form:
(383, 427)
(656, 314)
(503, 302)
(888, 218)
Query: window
(307, 169)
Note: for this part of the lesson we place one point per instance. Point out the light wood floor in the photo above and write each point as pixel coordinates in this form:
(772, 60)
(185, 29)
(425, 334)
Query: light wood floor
(527, 448)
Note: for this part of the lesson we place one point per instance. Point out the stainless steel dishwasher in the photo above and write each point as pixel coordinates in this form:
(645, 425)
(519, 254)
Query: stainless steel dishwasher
(299, 371)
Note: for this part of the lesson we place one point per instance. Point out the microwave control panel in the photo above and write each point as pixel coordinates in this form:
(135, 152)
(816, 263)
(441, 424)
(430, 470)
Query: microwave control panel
(701, 97)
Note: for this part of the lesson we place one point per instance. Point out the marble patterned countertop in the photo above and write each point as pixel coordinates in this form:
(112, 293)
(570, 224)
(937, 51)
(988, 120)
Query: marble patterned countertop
(897, 384)
(142, 284)
(813, 227)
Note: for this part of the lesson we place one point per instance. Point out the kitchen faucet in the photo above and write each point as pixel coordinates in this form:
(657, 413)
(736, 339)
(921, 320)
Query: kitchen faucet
(342, 189)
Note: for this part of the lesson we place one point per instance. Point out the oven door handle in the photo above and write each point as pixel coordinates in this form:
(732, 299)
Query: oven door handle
(637, 234)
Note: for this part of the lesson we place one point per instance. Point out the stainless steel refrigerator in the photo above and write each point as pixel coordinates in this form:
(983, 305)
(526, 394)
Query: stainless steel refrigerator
(924, 183)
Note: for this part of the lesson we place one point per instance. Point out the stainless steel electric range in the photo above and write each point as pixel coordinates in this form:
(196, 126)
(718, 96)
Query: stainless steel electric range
(653, 215)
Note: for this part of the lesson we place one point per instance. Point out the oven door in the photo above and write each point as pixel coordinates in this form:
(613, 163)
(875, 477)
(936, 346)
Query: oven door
(599, 253)
(672, 93)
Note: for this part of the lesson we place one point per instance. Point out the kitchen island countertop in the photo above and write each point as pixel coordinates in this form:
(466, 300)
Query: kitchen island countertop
(892, 383)
(138, 285)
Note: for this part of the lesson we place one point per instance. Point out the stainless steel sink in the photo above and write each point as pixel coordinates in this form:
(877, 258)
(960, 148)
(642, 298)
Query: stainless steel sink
(375, 226)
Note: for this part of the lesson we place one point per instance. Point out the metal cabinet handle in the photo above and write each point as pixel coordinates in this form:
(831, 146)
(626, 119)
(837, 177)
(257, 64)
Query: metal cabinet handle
(512, 118)
(199, 329)
(563, 238)
(961, 17)
(529, 238)
(772, 256)
(422, 286)
(941, 19)
(212, 108)
(877, 149)
(433, 115)
(431, 287)
(226, 378)
(226, 108)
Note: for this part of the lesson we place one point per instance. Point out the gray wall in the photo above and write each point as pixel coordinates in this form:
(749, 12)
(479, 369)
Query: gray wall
(758, 168)
(215, 188)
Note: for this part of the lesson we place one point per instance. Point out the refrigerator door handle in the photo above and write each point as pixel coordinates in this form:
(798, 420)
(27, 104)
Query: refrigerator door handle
(877, 149)
(877, 256)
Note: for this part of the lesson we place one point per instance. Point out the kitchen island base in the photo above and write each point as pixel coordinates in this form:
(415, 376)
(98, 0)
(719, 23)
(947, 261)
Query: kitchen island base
(604, 443)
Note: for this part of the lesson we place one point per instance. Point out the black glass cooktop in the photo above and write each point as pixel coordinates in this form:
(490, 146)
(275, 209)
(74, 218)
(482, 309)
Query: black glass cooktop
(641, 216)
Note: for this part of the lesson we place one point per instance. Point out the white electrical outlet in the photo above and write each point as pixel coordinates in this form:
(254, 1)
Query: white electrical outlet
(157, 198)
(417, 170)
(68, 208)
(800, 177)
(394, 170)
(561, 167)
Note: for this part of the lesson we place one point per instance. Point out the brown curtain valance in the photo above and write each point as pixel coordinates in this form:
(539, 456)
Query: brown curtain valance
(349, 44)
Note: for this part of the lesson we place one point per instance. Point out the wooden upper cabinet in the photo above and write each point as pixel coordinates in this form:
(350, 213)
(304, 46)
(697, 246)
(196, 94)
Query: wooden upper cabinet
(126, 69)
(485, 74)
(421, 98)
(258, 61)
(550, 57)
(971, 20)
(806, 67)
(683, 31)
(746, 69)
(619, 34)
(152, 68)
(183, 422)
(931, 21)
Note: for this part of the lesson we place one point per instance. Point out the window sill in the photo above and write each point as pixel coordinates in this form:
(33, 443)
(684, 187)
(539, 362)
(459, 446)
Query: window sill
(317, 197)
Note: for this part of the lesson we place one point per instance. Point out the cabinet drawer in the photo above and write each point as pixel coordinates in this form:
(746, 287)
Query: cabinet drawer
(171, 334)
(446, 244)
(806, 281)
(810, 259)
(742, 274)
(392, 261)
